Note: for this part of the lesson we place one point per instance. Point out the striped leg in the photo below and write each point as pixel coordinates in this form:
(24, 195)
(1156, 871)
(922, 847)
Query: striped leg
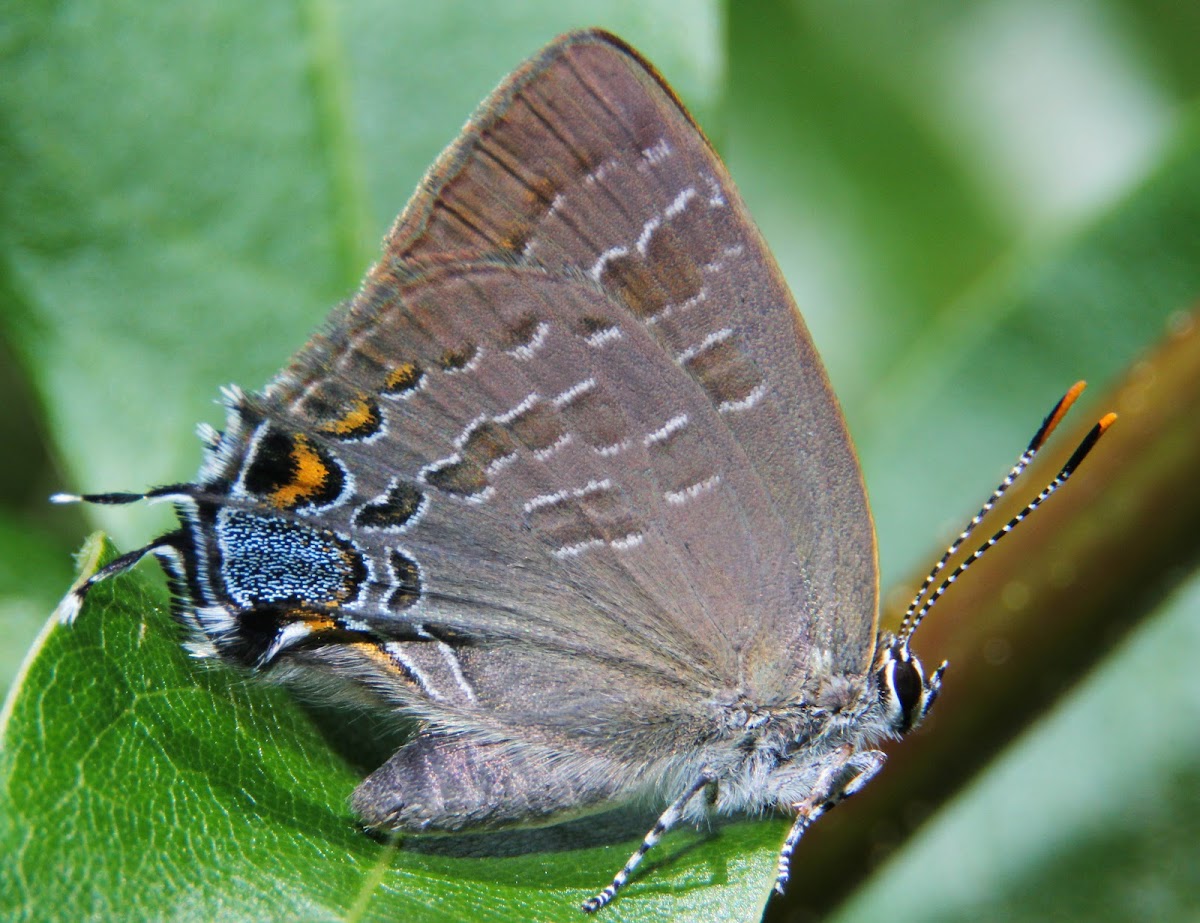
(670, 817)
(847, 774)
(68, 609)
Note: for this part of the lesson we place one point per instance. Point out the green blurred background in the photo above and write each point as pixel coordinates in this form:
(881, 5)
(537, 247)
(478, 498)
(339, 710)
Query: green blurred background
(975, 203)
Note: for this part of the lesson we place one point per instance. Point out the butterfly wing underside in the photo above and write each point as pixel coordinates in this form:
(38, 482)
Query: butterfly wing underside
(595, 455)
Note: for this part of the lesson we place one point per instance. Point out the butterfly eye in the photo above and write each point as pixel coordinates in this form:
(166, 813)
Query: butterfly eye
(903, 690)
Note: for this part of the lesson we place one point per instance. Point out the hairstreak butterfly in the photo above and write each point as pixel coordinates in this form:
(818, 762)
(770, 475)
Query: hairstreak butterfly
(565, 482)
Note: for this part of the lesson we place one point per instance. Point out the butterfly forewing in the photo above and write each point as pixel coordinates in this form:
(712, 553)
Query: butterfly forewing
(582, 417)
(585, 162)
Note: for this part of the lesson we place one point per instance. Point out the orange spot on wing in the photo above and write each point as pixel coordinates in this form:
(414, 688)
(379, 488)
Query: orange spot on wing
(380, 659)
(360, 417)
(310, 478)
(403, 377)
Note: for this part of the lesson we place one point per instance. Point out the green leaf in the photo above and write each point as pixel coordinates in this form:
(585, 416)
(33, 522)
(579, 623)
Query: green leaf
(189, 188)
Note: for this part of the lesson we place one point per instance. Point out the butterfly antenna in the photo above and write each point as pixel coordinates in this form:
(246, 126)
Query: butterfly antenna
(1038, 440)
(918, 609)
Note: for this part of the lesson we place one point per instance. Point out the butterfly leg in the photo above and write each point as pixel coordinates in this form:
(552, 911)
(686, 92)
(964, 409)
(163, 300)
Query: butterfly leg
(68, 609)
(668, 819)
(846, 774)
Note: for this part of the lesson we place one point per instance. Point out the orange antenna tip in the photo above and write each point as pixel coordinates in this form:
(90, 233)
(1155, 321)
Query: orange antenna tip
(1088, 443)
(922, 603)
(1055, 416)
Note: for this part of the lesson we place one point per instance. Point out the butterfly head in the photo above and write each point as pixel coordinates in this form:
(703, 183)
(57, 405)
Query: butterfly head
(905, 693)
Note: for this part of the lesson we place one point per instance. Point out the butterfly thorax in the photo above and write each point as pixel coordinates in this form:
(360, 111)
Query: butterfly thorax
(773, 754)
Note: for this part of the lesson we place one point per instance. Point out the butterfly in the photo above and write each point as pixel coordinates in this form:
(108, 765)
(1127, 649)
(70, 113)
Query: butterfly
(565, 482)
